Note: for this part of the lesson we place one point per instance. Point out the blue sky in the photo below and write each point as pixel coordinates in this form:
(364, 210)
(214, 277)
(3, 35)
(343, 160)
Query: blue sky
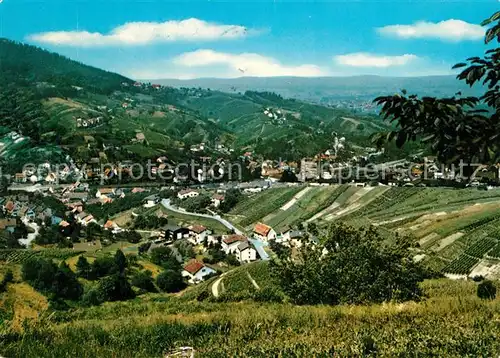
(189, 39)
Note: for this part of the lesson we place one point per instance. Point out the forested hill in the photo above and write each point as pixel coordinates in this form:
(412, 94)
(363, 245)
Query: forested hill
(53, 101)
(28, 65)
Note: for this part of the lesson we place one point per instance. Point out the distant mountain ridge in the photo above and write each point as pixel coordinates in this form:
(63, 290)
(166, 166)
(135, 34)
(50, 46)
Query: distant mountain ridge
(322, 89)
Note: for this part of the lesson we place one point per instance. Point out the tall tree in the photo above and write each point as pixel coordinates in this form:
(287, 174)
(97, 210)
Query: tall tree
(120, 261)
(83, 267)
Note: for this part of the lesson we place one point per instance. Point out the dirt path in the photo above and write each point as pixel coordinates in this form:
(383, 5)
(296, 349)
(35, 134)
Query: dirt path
(253, 281)
(215, 286)
(296, 198)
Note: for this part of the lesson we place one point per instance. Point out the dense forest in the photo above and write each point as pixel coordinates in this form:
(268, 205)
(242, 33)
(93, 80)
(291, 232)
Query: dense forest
(27, 65)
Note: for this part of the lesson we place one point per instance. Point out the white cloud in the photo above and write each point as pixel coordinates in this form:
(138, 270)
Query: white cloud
(143, 33)
(362, 59)
(449, 30)
(209, 63)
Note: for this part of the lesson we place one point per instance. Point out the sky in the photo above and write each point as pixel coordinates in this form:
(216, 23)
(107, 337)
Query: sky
(157, 39)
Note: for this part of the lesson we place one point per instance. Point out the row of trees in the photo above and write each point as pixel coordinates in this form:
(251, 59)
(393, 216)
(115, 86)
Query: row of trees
(115, 277)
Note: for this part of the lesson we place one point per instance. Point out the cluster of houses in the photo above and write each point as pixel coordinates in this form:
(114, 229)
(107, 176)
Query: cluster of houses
(20, 206)
(245, 249)
(216, 198)
(88, 123)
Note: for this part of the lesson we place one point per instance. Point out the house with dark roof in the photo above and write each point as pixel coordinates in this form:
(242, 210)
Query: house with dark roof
(291, 236)
(196, 271)
(172, 232)
(245, 252)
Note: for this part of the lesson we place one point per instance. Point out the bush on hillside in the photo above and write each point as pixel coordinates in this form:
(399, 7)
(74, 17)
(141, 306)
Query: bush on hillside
(352, 266)
(114, 288)
(8, 278)
(170, 281)
(83, 267)
(103, 266)
(144, 281)
(46, 277)
(486, 290)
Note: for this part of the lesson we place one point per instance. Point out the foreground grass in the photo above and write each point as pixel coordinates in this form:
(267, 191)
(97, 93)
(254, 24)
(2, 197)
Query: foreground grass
(452, 322)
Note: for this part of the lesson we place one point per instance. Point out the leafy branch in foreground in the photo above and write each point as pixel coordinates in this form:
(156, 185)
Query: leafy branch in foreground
(455, 128)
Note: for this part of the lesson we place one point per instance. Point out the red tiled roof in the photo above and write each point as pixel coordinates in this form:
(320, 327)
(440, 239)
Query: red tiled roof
(193, 266)
(109, 224)
(9, 206)
(218, 197)
(197, 228)
(262, 229)
(106, 190)
(234, 238)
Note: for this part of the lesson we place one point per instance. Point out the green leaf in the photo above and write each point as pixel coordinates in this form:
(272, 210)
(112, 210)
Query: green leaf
(459, 65)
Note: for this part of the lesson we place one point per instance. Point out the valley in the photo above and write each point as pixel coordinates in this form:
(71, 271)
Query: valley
(297, 215)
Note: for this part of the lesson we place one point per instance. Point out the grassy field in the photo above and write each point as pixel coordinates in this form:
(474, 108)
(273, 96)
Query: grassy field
(452, 322)
(256, 207)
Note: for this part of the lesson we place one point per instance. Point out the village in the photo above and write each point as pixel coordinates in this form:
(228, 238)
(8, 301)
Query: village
(81, 217)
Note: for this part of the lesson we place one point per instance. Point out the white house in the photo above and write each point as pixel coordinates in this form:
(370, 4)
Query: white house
(197, 234)
(84, 219)
(252, 190)
(104, 192)
(230, 243)
(291, 236)
(214, 240)
(264, 232)
(245, 252)
(195, 271)
(217, 199)
(189, 193)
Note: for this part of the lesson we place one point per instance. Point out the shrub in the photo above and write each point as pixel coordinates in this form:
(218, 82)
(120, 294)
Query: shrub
(232, 260)
(144, 280)
(170, 281)
(103, 266)
(202, 296)
(120, 261)
(8, 278)
(352, 266)
(115, 288)
(486, 290)
(65, 284)
(45, 276)
(91, 298)
(83, 267)
(270, 294)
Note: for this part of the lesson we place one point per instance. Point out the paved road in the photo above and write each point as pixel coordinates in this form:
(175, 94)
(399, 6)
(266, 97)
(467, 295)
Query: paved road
(168, 206)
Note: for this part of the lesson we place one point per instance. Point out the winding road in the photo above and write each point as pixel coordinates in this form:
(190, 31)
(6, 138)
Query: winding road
(168, 206)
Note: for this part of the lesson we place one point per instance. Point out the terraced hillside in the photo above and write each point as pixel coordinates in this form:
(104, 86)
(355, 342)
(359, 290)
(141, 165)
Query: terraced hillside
(457, 230)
